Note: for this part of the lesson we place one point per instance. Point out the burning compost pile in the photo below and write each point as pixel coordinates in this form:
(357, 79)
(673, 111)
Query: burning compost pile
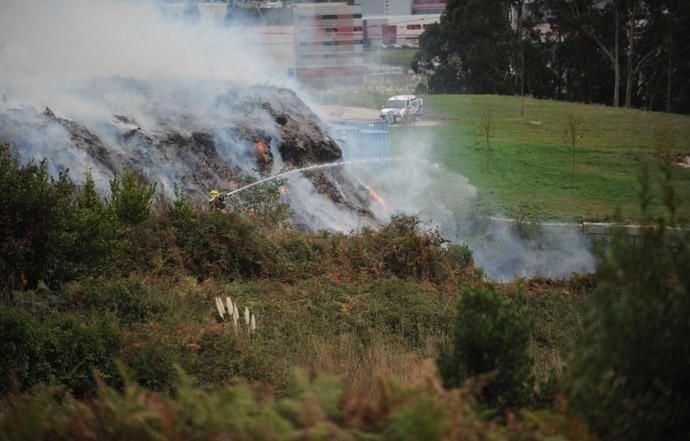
(195, 143)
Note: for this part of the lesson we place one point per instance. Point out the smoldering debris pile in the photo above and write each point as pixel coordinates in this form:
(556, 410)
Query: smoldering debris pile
(196, 143)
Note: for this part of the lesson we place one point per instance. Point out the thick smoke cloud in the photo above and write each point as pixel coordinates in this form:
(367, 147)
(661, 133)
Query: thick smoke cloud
(88, 60)
(182, 103)
(49, 41)
(415, 184)
(136, 80)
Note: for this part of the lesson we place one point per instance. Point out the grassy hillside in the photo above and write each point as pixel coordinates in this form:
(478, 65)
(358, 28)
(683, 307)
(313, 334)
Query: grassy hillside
(112, 328)
(112, 331)
(529, 169)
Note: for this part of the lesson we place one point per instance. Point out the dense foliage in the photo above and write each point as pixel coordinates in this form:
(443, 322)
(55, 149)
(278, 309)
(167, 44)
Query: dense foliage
(490, 338)
(50, 229)
(630, 375)
(119, 338)
(54, 231)
(319, 408)
(149, 268)
(618, 52)
(61, 349)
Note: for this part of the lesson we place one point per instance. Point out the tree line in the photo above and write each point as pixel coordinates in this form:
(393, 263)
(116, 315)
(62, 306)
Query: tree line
(630, 53)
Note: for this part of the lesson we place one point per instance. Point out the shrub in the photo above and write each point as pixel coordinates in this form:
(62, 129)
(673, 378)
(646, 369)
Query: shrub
(129, 299)
(130, 200)
(630, 375)
(406, 251)
(49, 229)
(21, 350)
(75, 346)
(152, 361)
(261, 202)
(181, 207)
(223, 245)
(33, 217)
(423, 419)
(402, 249)
(491, 336)
(64, 350)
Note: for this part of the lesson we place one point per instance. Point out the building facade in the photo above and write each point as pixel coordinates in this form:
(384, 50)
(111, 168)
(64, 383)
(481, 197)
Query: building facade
(400, 7)
(329, 41)
(428, 6)
(397, 30)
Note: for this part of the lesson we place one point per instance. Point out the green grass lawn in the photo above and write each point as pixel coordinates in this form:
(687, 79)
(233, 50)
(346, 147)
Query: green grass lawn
(530, 168)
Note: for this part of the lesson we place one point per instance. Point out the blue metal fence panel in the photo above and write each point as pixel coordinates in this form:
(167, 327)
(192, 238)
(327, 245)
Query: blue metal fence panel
(364, 140)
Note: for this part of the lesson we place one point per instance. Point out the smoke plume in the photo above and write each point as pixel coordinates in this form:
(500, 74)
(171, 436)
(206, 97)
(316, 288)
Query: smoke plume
(443, 200)
(106, 85)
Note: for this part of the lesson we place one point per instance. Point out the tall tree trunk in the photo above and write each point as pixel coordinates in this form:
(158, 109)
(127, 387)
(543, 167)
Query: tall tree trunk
(522, 60)
(630, 74)
(669, 78)
(616, 59)
(628, 86)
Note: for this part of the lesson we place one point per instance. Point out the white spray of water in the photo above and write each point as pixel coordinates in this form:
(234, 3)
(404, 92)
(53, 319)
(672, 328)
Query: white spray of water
(312, 168)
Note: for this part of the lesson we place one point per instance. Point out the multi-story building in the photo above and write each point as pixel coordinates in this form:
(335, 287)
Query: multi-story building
(387, 30)
(428, 6)
(400, 7)
(328, 43)
(385, 7)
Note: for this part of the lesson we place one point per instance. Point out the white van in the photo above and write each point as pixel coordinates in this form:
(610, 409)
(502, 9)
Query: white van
(402, 109)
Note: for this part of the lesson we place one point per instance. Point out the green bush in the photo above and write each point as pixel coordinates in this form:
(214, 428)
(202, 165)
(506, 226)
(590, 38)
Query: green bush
(406, 251)
(630, 375)
(223, 245)
(75, 346)
(152, 360)
(262, 202)
(130, 200)
(33, 218)
(317, 408)
(129, 299)
(421, 418)
(403, 250)
(21, 350)
(64, 349)
(50, 229)
(491, 336)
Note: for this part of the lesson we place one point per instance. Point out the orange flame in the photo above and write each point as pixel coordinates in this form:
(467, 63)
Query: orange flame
(379, 199)
(283, 190)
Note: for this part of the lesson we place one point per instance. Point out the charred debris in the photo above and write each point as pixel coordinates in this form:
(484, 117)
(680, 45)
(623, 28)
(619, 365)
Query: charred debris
(198, 145)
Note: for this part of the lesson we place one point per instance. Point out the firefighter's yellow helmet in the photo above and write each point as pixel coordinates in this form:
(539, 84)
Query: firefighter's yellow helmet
(214, 194)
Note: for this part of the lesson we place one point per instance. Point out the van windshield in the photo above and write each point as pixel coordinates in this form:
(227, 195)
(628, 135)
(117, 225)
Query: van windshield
(395, 104)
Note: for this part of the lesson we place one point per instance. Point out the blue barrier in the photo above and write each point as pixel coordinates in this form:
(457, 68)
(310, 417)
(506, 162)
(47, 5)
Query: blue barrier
(363, 140)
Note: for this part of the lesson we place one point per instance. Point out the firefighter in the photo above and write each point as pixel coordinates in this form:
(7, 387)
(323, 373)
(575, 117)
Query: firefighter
(217, 200)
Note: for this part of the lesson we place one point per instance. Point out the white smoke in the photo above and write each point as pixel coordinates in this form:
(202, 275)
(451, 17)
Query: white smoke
(58, 53)
(443, 200)
(46, 42)
(89, 60)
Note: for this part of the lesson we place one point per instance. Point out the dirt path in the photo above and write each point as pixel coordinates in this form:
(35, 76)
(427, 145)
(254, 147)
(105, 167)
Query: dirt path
(358, 113)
